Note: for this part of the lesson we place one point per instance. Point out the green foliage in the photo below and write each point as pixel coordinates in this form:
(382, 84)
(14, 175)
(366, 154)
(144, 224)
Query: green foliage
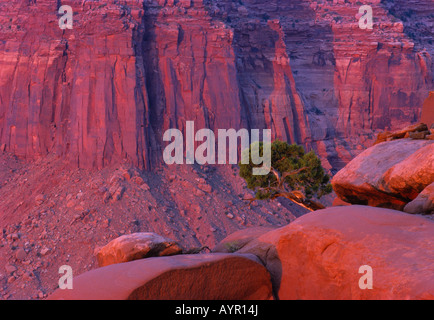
(232, 247)
(311, 181)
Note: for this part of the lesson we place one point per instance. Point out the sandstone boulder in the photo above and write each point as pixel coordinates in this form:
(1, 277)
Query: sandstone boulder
(424, 203)
(239, 239)
(318, 256)
(183, 277)
(409, 177)
(389, 174)
(136, 246)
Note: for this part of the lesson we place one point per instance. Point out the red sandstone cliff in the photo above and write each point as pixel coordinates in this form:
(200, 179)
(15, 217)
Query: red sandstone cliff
(80, 92)
(131, 69)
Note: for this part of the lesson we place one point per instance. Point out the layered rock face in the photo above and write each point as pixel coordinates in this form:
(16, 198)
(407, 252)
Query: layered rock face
(351, 81)
(428, 110)
(129, 70)
(78, 93)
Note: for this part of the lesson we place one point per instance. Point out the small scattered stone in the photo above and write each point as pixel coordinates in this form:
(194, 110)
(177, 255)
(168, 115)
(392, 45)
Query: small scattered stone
(117, 178)
(138, 180)
(114, 188)
(126, 174)
(102, 189)
(106, 197)
(118, 193)
(51, 204)
(145, 187)
(70, 204)
(39, 199)
(10, 268)
(205, 187)
(21, 254)
(198, 193)
(95, 184)
(14, 236)
(105, 223)
(44, 251)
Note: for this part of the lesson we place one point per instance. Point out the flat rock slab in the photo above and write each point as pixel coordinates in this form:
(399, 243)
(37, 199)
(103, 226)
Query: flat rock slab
(183, 277)
(318, 256)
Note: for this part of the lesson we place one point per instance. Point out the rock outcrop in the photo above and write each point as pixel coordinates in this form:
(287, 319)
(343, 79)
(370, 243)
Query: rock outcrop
(319, 255)
(78, 93)
(346, 78)
(108, 89)
(424, 202)
(183, 277)
(136, 246)
(237, 240)
(389, 174)
(322, 255)
(428, 110)
(417, 131)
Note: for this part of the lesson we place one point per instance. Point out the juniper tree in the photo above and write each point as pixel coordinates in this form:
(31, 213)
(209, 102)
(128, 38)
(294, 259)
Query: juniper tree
(294, 174)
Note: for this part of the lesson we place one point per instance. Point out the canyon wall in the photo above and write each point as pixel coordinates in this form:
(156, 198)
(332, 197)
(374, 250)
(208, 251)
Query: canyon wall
(80, 93)
(129, 70)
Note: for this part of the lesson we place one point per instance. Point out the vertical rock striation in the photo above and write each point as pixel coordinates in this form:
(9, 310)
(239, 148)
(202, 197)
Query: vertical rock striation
(80, 93)
(130, 69)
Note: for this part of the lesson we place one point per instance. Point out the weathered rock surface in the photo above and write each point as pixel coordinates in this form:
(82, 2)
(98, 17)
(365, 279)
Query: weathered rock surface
(237, 240)
(416, 131)
(424, 202)
(167, 206)
(183, 277)
(108, 89)
(318, 256)
(339, 202)
(428, 110)
(389, 174)
(136, 246)
(346, 93)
